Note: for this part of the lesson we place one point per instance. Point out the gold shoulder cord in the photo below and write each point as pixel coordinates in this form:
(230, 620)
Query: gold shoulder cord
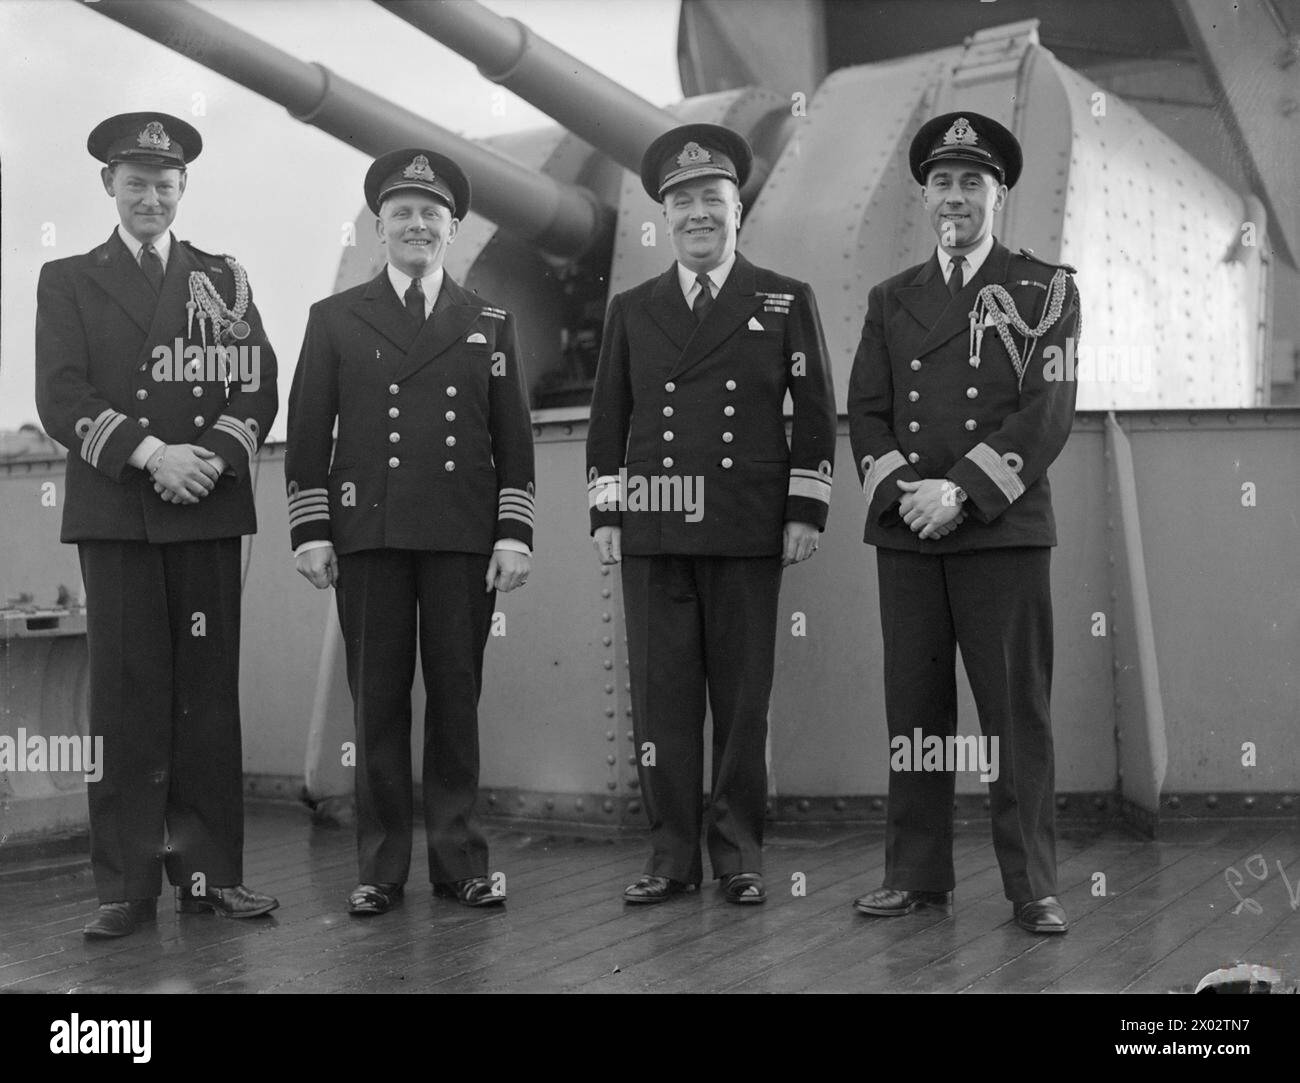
(994, 303)
(204, 298)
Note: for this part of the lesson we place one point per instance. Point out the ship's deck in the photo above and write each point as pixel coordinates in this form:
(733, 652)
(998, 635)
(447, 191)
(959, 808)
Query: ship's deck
(1166, 919)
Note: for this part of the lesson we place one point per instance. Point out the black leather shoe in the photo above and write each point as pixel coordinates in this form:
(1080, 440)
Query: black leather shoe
(654, 889)
(115, 919)
(472, 891)
(745, 888)
(888, 902)
(226, 902)
(367, 899)
(1041, 916)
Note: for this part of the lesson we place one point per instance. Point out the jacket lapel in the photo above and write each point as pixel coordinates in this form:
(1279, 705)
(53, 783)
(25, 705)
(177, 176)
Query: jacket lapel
(453, 313)
(169, 314)
(379, 307)
(954, 315)
(119, 276)
(735, 303)
(668, 309)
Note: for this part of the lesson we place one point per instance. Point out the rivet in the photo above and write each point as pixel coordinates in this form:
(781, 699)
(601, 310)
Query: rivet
(804, 804)
(877, 803)
(1212, 800)
(579, 804)
(634, 806)
(492, 799)
(611, 785)
(840, 804)
(632, 759)
(610, 759)
(609, 805)
(1175, 801)
(629, 736)
(609, 713)
(609, 735)
(609, 663)
(1248, 801)
(1062, 801)
(1099, 802)
(550, 802)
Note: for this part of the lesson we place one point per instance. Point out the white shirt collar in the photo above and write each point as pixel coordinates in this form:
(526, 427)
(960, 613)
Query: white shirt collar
(430, 283)
(718, 276)
(163, 245)
(974, 260)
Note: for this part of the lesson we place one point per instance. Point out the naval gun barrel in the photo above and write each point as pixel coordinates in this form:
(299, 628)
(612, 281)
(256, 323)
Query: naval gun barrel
(591, 105)
(562, 219)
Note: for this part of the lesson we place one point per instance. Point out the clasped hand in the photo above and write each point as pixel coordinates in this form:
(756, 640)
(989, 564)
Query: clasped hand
(929, 507)
(186, 473)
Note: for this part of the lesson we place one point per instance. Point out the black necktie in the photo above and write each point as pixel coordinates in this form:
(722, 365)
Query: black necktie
(954, 280)
(415, 301)
(703, 299)
(152, 266)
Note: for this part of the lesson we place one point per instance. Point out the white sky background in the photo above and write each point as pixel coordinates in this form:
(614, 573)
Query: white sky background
(268, 189)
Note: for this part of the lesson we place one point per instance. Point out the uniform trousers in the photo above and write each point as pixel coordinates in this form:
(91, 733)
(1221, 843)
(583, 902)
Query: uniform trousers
(995, 604)
(163, 642)
(388, 600)
(702, 626)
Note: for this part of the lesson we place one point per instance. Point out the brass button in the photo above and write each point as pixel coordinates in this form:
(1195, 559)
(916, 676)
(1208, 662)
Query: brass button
(144, 422)
(916, 365)
(198, 421)
(668, 435)
(668, 462)
(726, 464)
(393, 437)
(912, 396)
(392, 389)
(451, 392)
(142, 394)
(728, 411)
(198, 392)
(393, 411)
(394, 461)
(913, 426)
(972, 392)
(450, 415)
(914, 458)
(670, 387)
(668, 411)
(451, 441)
(970, 424)
(731, 385)
(449, 466)
(727, 437)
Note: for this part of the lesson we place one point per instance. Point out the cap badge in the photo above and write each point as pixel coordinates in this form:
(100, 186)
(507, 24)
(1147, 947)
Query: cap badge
(154, 137)
(960, 134)
(693, 154)
(419, 169)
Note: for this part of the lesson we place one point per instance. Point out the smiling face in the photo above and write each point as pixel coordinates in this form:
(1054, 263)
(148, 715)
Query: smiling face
(416, 229)
(146, 196)
(961, 199)
(703, 219)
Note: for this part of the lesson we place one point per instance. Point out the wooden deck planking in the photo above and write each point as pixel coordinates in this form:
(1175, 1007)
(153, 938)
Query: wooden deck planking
(1165, 922)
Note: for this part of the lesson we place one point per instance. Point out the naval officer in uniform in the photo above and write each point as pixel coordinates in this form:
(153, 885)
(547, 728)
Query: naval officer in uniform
(960, 399)
(163, 425)
(694, 370)
(423, 512)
